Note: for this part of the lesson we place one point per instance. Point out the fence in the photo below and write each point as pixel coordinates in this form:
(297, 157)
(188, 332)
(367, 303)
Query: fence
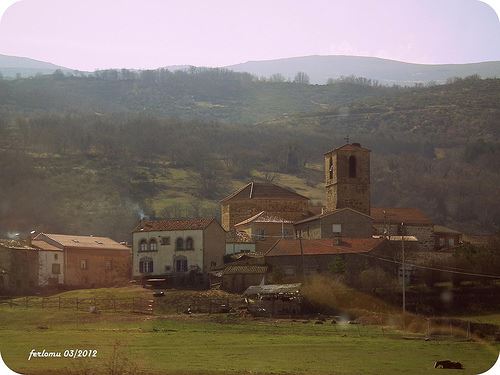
(133, 304)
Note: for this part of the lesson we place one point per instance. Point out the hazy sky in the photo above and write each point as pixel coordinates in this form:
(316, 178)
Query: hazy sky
(98, 34)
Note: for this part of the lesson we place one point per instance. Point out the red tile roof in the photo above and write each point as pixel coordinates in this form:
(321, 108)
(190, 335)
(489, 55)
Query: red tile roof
(173, 224)
(320, 216)
(84, 242)
(264, 217)
(42, 245)
(234, 236)
(263, 190)
(324, 246)
(399, 215)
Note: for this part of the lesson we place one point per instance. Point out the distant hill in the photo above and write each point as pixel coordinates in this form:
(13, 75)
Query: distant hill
(321, 68)
(10, 66)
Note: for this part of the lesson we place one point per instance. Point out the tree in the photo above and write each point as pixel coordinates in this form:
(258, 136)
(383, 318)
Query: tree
(277, 77)
(302, 78)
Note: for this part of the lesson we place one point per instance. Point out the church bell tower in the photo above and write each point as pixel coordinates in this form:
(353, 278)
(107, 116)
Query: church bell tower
(347, 178)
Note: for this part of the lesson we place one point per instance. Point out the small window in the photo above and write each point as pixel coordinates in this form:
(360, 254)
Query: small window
(330, 168)
(165, 241)
(189, 243)
(108, 265)
(146, 265)
(213, 264)
(83, 264)
(153, 245)
(143, 245)
(55, 256)
(260, 234)
(441, 241)
(168, 268)
(56, 268)
(352, 166)
(179, 243)
(451, 242)
(336, 228)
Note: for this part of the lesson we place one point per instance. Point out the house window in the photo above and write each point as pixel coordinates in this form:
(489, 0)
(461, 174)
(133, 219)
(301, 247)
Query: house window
(56, 268)
(153, 245)
(168, 268)
(143, 245)
(260, 234)
(213, 264)
(181, 265)
(55, 256)
(179, 243)
(83, 264)
(441, 242)
(336, 228)
(451, 242)
(108, 265)
(189, 243)
(146, 265)
(352, 166)
(165, 241)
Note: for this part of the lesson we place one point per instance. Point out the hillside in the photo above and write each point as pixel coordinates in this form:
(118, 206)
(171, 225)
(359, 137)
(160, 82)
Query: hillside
(388, 72)
(94, 153)
(11, 66)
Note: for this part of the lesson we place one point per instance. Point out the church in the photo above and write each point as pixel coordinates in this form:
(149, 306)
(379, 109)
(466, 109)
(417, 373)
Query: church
(347, 210)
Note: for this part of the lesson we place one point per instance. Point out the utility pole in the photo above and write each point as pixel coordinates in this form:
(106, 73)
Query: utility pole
(404, 271)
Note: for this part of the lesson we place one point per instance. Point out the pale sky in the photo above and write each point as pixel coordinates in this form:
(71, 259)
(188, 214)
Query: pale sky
(99, 34)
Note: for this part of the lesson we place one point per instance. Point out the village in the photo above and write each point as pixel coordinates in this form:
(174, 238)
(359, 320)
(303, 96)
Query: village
(267, 236)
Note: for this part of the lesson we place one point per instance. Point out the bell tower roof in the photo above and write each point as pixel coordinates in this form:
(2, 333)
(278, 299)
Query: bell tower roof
(349, 147)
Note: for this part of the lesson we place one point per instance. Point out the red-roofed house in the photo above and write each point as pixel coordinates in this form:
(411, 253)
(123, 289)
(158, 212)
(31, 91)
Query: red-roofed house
(265, 229)
(388, 221)
(318, 255)
(184, 250)
(81, 261)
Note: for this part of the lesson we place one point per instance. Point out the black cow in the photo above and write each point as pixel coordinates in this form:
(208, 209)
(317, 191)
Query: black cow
(448, 364)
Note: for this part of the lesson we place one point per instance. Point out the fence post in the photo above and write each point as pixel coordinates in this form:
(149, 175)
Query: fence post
(428, 327)
(468, 330)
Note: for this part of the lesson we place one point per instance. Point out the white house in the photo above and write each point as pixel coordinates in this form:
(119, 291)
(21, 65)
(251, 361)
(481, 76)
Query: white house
(181, 249)
(51, 263)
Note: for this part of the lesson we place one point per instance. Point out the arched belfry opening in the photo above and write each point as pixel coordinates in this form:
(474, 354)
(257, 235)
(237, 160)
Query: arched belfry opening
(352, 166)
(330, 167)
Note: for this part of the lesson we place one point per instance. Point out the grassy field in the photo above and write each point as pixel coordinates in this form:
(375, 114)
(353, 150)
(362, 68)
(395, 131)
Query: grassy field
(219, 344)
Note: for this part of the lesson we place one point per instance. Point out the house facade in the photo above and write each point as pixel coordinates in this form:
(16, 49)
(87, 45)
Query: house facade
(265, 229)
(344, 222)
(82, 261)
(183, 249)
(446, 238)
(387, 221)
(18, 267)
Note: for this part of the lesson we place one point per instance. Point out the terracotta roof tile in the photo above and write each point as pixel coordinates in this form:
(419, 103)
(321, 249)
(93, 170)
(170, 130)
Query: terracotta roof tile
(84, 242)
(42, 245)
(399, 215)
(263, 190)
(173, 224)
(234, 236)
(324, 246)
(315, 217)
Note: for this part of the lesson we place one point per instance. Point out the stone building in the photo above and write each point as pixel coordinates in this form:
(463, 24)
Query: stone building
(387, 221)
(18, 267)
(344, 222)
(347, 178)
(256, 197)
(446, 238)
(266, 229)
